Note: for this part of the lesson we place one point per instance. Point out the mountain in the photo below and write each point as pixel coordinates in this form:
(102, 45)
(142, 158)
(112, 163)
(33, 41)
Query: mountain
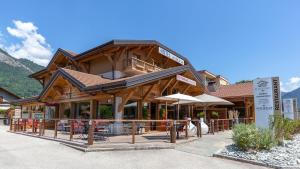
(14, 75)
(293, 94)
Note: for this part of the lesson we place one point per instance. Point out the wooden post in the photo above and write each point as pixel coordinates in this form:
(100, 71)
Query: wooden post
(173, 132)
(18, 125)
(218, 125)
(213, 126)
(91, 132)
(15, 126)
(32, 125)
(44, 126)
(71, 130)
(55, 129)
(223, 123)
(93, 109)
(24, 129)
(11, 124)
(40, 128)
(133, 132)
(198, 128)
(186, 130)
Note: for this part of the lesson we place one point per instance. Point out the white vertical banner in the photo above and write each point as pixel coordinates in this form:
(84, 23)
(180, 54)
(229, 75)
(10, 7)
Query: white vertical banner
(288, 108)
(267, 100)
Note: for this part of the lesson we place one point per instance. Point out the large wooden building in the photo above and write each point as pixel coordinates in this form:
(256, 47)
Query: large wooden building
(240, 94)
(119, 80)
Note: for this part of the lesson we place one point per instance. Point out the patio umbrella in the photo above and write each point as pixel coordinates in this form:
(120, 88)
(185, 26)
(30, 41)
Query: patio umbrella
(179, 99)
(206, 100)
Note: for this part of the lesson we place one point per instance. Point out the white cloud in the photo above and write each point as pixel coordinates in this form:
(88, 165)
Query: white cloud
(292, 84)
(32, 46)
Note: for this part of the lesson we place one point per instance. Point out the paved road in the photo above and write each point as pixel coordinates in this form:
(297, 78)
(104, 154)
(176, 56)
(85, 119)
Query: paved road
(23, 152)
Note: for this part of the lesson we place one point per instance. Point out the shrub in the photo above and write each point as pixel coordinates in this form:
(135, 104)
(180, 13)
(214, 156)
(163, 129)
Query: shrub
(2, 111)
(200, 114)
(245, 136)
(266, 139)
(283, 128)
(215, 115)
(249, 137)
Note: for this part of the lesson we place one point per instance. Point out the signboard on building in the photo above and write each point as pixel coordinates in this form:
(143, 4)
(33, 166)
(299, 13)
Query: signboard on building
(17, 113)
(288, 108)
(38, 116)
(267, 99)
(170, 55)
(186, 80)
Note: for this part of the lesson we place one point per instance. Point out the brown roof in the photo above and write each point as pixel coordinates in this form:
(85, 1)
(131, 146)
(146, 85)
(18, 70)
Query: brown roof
(235, 90)
(72, 54)
(87, 79)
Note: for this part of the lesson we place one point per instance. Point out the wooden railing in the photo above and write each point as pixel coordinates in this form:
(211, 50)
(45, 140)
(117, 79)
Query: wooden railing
(170, 128)
(141, 65)
(216, 125)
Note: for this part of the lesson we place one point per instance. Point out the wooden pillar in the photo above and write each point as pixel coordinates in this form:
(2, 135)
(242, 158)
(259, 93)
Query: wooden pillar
(140, 109)
(91, 132)
(61, 110)
(186, 129)
(133, 131)
(93, 109)
(73, 110)
(172, 132)
(11, 123)
(71, 129)
(55, 128)
(40, 127)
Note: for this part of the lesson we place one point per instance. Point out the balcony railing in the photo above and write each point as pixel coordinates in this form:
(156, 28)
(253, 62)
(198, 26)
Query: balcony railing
(140, 65)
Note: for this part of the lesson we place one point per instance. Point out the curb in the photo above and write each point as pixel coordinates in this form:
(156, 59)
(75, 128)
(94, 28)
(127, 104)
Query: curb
(218, 155)
(86, 148)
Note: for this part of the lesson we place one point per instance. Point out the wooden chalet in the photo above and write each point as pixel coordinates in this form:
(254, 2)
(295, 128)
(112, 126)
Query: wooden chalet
(116, 80)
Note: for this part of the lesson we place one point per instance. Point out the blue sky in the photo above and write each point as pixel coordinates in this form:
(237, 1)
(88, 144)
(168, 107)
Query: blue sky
(237, 39)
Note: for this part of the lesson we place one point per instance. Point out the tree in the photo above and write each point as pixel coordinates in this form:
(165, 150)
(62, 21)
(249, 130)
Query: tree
(244, 81)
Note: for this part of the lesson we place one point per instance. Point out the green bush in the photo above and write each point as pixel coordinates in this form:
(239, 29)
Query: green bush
(283, 128)
(215, 115)
(249, 137)
(266, 139)
(200, 114)
(245, 136)
(2, 111)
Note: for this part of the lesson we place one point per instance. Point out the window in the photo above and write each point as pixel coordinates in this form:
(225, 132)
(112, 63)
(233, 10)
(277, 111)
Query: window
(130, 110)
(104, 111)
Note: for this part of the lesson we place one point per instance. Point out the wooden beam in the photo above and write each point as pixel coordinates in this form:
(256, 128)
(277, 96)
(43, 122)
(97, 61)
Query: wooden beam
(125, 100)
(118, 56)
(58, 90)
(183, 92)
(149, 52)
(110, 59)
(148, 92)
(83, 67)
(173, 86)
(166, 85)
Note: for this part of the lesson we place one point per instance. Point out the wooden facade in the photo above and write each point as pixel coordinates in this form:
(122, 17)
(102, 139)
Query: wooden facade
(117, 74)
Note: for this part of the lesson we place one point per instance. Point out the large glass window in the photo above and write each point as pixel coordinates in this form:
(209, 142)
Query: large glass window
(130, 110)
(105, 111)
(83, 110)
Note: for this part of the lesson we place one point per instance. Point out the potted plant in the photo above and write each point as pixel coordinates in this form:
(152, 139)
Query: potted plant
(200, 115)
(145, 113)
(215, 115)
(162, 112)
(204, 127)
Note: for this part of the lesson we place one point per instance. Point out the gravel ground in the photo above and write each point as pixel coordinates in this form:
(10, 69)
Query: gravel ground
(287, 155)
(24, 152)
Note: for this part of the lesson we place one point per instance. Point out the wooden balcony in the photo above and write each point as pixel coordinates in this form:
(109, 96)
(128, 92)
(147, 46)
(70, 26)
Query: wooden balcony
(137, 66)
